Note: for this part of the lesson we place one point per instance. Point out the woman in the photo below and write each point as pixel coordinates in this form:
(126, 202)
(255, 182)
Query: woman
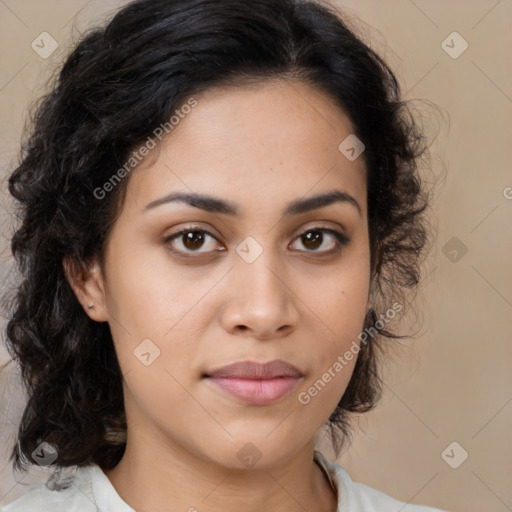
(221, 214)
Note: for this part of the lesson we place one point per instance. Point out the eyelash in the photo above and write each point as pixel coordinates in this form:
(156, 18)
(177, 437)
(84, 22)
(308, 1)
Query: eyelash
(341, 240)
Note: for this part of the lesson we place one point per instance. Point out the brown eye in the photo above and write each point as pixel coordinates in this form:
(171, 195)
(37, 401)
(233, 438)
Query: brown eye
(191, 240)
(314, 238)
(195, 240)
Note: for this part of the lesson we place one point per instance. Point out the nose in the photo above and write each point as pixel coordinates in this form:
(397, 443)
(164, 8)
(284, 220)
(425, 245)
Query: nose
(262, 303)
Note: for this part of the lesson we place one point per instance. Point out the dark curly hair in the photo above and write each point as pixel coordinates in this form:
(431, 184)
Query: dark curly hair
(115, 88)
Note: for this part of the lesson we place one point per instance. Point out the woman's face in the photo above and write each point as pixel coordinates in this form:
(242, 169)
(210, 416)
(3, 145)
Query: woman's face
(255, 283)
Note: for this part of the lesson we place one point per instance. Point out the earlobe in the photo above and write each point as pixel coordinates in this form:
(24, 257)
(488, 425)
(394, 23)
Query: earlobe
(88, 287)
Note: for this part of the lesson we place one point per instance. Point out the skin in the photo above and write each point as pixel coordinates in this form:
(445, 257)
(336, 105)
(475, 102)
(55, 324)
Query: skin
(261, 146)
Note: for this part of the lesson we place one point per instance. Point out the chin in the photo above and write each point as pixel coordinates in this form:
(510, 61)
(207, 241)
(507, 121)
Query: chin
(253, 452)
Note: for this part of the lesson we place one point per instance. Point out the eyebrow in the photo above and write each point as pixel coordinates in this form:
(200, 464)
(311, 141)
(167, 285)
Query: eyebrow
(217, 205)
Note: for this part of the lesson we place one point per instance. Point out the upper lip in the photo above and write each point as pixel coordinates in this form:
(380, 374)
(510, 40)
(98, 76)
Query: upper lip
(254, 370)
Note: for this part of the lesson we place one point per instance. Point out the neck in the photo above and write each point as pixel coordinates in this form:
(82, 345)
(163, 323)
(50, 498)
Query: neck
(150, 478)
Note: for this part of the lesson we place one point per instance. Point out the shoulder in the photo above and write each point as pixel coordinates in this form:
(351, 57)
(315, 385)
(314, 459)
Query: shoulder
(355, 496)
(77, 496)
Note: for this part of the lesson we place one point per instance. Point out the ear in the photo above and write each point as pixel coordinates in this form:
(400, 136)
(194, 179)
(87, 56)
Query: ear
(88, 286)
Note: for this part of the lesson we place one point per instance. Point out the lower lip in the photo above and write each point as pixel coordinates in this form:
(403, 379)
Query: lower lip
(256, 391)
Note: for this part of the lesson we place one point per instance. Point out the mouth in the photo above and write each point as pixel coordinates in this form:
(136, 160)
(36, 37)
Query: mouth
(256, 383)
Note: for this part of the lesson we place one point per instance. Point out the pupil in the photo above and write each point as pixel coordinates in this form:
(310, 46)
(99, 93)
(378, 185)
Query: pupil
(193, 240)
(311, 239)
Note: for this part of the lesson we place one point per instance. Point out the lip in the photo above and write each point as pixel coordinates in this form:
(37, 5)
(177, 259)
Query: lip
(256, 383)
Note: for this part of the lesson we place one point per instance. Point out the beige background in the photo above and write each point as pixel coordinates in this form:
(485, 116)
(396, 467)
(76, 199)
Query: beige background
(454, 381)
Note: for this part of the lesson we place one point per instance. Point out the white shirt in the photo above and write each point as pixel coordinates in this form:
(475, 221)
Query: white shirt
(92, 491)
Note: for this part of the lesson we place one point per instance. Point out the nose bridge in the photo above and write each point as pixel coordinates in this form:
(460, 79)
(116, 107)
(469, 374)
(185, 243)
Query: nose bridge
(262, 300)
(259, 275)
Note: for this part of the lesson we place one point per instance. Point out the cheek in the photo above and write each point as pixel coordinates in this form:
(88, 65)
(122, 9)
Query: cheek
(340, 306)
(153, 311)
(339, 300)
(334, 351)
(146, 294)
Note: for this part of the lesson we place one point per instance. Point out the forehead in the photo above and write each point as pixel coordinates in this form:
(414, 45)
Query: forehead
(274, 139)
